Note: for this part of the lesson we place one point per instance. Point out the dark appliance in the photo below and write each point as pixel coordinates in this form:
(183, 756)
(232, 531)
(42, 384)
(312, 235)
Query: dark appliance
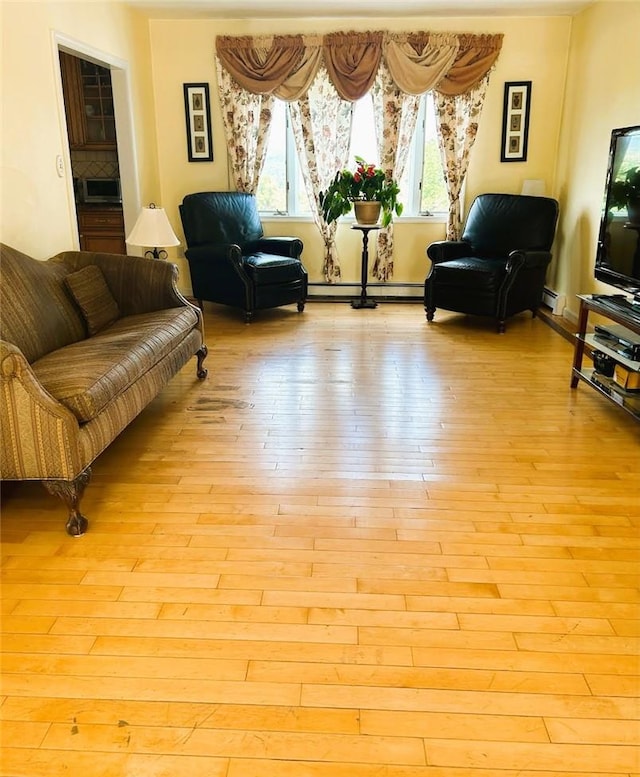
(99, 190)
(618, 250)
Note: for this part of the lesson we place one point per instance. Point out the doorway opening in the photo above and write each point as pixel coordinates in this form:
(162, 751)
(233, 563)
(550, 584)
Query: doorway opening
(93, 149)
(95, 107)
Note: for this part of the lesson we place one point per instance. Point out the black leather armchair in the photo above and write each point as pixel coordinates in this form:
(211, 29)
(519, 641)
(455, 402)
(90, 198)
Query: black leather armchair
(498, 268)
(230, 259)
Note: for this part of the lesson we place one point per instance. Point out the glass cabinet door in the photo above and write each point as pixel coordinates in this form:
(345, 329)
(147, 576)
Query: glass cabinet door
(97, 97)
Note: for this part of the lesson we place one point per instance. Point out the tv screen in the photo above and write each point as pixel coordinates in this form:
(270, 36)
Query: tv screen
(618, 251)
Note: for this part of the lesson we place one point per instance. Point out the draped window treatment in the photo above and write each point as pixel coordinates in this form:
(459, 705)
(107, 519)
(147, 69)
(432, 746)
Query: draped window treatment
(455, 66)
(418, 61)
(352, 61)
(458, 114)
(286, 65)
(457, 118)
(395, 115)
(247, 121)
(321, 113)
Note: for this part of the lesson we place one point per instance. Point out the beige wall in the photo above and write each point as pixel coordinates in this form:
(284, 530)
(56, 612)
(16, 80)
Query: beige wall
(38, 214)
(534, 49)
(603, 92)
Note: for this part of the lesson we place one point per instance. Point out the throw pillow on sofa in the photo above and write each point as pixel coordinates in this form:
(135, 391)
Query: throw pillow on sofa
(89, 289)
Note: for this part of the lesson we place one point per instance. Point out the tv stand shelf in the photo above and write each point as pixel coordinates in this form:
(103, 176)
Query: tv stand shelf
(608, 308)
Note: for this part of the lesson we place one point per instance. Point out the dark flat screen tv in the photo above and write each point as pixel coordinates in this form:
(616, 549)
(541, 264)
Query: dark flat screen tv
(618, 251)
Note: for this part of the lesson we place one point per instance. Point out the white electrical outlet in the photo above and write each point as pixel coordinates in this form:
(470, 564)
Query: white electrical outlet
(60, 166)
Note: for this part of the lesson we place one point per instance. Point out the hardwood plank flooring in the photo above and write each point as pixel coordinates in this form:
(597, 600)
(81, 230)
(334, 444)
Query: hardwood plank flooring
(364, 547)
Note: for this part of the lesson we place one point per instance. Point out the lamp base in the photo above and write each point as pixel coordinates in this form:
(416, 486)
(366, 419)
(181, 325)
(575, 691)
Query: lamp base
(156, 254)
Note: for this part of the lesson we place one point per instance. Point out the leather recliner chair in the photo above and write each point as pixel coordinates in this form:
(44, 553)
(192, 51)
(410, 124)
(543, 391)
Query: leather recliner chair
(230, 259)
(498, 268)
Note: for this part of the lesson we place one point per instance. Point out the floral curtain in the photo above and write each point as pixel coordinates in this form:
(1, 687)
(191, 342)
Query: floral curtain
(247, 120)
(395, 116)
(321, 123)
(457, 118)
(459, 98)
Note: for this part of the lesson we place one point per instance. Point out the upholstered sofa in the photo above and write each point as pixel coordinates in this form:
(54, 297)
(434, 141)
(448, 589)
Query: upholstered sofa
(87, 341)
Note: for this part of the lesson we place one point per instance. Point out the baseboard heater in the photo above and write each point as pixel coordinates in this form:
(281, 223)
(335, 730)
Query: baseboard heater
(554, 300)
(393, 292)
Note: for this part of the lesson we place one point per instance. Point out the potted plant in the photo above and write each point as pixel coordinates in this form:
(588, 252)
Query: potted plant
(625, 192)
(367, 183)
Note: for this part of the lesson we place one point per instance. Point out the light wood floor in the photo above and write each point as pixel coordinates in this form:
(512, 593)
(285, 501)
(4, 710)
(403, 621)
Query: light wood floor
(363, 547)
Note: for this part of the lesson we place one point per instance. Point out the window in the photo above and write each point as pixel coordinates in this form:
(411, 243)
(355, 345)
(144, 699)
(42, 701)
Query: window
(281, 189)
(423, 179)
(272, 188)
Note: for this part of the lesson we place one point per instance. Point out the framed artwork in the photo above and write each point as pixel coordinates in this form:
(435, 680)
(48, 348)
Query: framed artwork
(515, 121)
(198, 116)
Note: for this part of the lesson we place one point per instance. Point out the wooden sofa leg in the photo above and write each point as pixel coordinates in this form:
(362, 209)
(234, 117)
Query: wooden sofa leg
(71, 491)
(201, 353)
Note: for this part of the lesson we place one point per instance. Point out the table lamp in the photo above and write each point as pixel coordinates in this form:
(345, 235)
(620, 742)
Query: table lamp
(152, 228)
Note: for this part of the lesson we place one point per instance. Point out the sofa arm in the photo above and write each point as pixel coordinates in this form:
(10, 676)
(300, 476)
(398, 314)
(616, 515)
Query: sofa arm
(444, 250)
(138, 285)
(279, 246)
(39, 435)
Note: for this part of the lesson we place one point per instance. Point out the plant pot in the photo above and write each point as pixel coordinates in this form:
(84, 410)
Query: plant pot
(633, 210)
(367, 211)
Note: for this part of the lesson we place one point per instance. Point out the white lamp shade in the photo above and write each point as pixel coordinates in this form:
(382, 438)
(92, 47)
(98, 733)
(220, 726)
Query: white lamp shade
(152, 229)
(534, 187)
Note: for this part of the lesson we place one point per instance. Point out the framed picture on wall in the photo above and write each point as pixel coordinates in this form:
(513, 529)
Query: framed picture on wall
(198, 117)
(515, 121)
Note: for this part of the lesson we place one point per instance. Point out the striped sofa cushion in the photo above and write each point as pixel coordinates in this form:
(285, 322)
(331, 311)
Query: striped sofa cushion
(37, 313)
(87, 375)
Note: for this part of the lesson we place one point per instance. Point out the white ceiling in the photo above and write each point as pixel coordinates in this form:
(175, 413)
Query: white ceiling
(271, 9)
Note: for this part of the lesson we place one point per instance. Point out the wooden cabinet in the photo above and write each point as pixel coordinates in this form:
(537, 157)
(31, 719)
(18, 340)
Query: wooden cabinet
(102, 229)
(88, 101)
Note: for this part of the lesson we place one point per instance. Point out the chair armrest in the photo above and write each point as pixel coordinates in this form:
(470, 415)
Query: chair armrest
(43, 447)
(444, 250)
(215, 266)
(529, 259)
(138, 284)
(279, 246)
(215, 252)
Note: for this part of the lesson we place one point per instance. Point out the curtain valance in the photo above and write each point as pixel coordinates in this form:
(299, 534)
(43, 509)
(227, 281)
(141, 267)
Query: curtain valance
(475, 58)
(418, 61)
(352, 61)
(285, 65)
(282, 65)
